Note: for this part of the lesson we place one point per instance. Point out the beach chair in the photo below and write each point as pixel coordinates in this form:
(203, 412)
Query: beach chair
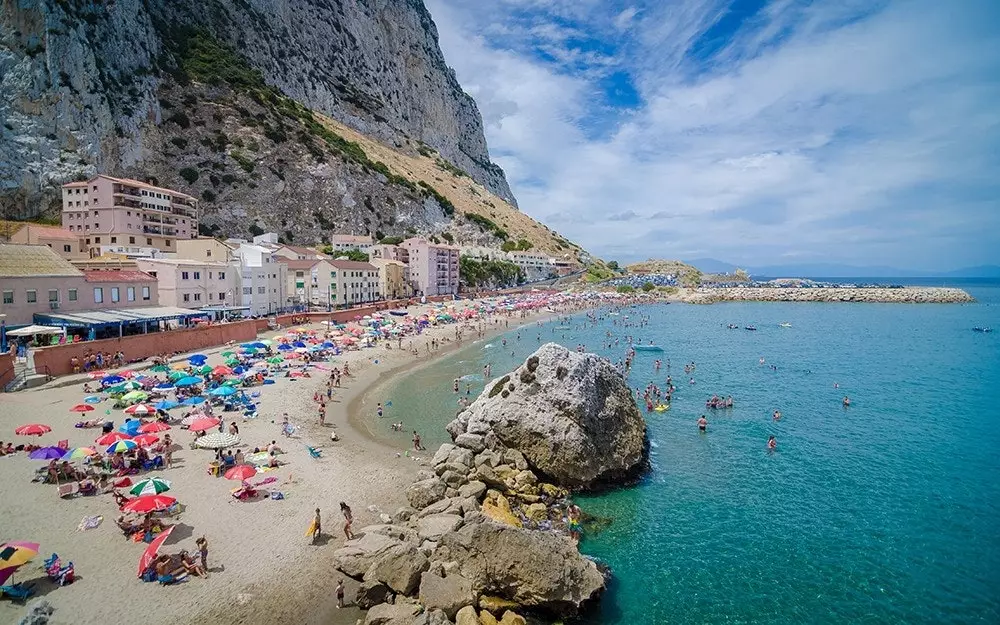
(68, 490)
(17, 592)
(315, 452)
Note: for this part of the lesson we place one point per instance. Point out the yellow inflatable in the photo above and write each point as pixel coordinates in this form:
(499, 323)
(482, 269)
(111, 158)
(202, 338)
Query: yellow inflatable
(662, 408)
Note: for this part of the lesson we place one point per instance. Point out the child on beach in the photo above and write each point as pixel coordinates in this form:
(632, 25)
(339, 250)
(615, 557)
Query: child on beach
(340, 593)
(202, 544)
(316, 527)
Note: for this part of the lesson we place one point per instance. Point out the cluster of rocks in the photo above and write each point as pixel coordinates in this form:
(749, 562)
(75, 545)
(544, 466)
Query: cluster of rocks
(906, 295)
(484, 539)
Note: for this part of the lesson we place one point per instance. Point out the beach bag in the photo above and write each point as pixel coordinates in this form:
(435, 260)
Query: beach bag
(276, 495)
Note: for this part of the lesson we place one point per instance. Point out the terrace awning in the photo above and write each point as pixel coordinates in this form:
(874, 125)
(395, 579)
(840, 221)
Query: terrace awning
(124, 316)
(33, 330)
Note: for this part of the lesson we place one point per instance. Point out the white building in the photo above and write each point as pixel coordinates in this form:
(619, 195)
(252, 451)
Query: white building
(263, 280)
(536, 266)
(480, 252)
(345, 242)
(352, 283)
(193, 283)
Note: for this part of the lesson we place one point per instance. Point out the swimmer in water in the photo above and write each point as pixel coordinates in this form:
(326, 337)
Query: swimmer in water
(691, 381)
(847, 401)
(761, 360)
(702, 423)
(772, 444)
(455, 385)
(777, 415)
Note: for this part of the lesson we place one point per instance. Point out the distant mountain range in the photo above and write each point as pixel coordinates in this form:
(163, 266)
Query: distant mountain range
(833, 270)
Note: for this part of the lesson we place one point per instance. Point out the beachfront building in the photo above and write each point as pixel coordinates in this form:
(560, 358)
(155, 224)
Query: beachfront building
(194, 283)
(480, 252)
(263, 279)
(106, 262)
(389, 252)
(294, 252)
(393, 278)
(345, 242)
(433, 267)
(66, 244)
(353, 283)
(206, 248)
(307, 283)
(536, 266)
(119, 211)
(36, 280)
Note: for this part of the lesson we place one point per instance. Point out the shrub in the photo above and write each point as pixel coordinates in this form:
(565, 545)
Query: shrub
(180, 119)
(625, 289)
(180, 142)
(391, 240)
(255, 230)
(447, 236)
(245, 162)
(207, 195)
(190, 174)
(648, 286)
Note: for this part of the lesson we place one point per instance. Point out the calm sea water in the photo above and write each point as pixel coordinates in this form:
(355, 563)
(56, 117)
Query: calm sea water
(885, 512)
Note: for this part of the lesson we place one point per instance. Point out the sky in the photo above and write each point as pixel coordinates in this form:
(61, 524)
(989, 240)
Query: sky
(864, 132)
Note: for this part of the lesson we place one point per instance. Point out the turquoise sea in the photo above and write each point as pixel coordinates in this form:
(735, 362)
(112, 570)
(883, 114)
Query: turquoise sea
(884, 512)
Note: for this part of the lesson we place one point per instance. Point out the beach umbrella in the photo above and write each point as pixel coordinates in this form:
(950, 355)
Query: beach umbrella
(149, 503)
(47, 453)
(284, 347)
(111, 380)
(112, 437)
(115, 390)
(146, 440)
(14, 554)
(190, 380)
(217, 440)
(122, 445)
(164, 387)
(177, 375)
(166, 404)
(81, 408)
(140, 409)
(221, 370)
(204, 369)
(225, 354)
(92, 399)
(179, 366)
(153, 426)
(150, 486)
(276, 360)
(197, 357)
(159, 368)
(298, 344)
(223, 391)
(32, 429)
(204, 423)
(192, 401)
(241, 472)
(149, 555)
(135, 396)
(79, 453)
(131, 385)
(130, 427)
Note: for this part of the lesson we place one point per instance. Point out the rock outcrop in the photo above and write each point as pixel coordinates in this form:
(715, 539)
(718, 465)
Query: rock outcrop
(570, 416)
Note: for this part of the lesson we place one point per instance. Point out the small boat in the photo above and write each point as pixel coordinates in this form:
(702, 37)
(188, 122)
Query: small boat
(647, 348)
(982, 329)
(784, 325)
(750, 328)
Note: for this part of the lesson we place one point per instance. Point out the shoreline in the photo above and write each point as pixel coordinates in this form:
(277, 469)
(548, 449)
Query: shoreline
(874, 295)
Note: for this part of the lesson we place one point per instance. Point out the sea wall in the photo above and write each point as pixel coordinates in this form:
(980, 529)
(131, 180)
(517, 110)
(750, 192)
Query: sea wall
(905, 295)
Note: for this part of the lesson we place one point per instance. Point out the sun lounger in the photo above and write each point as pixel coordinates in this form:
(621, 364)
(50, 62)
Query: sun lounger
(17, 592)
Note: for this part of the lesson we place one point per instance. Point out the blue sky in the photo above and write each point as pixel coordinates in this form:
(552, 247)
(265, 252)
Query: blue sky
(756, 132)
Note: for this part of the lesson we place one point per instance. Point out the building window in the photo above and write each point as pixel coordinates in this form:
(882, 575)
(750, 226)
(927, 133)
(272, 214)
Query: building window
(53, 295)
(130, 294)
(211, 296)
(222, 297)
(208, 253)
(98, 295)
(88, 241)
(222, 275)
(97, 226)
(167, 243)
(67, 248)
(72, 295)
(131, 240)
(114, 239)
(32, 296)
(149, 241)
(97, 239)
(197, 275)
(115, 295)
(197, 297)
(262, 290)
(8, 297)
(184, 275)
(187, 297)
(145, 293)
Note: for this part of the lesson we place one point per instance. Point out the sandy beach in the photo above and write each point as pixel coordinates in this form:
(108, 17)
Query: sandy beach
(262, 567)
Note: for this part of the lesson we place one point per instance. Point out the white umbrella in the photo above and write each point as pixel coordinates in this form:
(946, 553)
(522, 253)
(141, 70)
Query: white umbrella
(218, 440)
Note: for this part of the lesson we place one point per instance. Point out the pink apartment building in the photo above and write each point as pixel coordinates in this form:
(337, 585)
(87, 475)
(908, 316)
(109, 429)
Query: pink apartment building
(119, 211)
(433, 267)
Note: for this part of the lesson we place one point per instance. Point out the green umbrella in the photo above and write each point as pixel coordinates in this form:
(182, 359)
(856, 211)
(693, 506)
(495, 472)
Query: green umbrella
(227, 354)
(150, 486)
(276, 360)
(135, 396)
(159, 368)
(114, 390)
(177, 375)
(231, 382)
(204, 369)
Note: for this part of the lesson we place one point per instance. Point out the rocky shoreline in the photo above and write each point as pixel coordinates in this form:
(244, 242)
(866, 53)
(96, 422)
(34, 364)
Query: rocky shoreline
(904, 295)
(485, 538)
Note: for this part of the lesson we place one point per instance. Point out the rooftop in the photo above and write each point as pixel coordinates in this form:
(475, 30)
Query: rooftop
(131, 183)
(87, 318)
(299, 264)
(304, 251)
(352, 264)
(23, 261)
(117, 276)
(183, 262)
(50, 232)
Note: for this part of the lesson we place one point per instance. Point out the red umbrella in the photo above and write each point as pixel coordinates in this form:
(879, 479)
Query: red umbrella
(204, 424)
(33, 429)
(150, 553)
(146, 439)
(81, 408)
(148, 503)
(222, 370)
(241, 472)
(155, 426)
(112, 437)
(140, 409)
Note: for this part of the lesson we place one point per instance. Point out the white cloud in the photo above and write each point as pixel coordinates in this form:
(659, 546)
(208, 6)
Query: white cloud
(827, 131)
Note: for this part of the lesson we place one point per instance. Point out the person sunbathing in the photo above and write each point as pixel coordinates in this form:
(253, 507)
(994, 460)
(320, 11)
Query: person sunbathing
(127, 526)
(166, 572)
(190, 564)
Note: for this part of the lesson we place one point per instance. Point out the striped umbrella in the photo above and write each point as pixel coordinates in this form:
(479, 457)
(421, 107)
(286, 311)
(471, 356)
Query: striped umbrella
(153, 426)
(122, 445)
(150, 486)
(14, 554)
(33, 429)
(217, 440)
(112, 437)
(146, 439)
(79, 453)
(140, 409)
(205, 423)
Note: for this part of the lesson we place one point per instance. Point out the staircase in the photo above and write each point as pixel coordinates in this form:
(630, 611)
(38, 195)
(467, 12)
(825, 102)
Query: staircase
(25, 377)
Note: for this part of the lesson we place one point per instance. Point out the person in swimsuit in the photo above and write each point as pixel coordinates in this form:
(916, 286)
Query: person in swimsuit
(573, 516)
(702, 423)
(317, 526)
(772, 444)
(847, 401)
(777, 415)
(348, 519)
(340, 593)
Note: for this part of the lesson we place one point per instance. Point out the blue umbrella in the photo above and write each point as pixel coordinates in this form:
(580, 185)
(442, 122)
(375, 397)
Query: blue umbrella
(328, 344)
(223, 391)
(130, 427)
(112, 379)
(92, 399)
(258, 345)
(47, 453)
(192, 401)
(239, 369)
(298, 344)
(284, 347)
(166, 404)
(197, 357)
(190, 380)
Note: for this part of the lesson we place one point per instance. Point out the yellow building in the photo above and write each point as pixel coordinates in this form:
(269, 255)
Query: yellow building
(392, 279)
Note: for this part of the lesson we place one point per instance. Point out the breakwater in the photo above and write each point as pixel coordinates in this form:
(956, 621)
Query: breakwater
(905, 295)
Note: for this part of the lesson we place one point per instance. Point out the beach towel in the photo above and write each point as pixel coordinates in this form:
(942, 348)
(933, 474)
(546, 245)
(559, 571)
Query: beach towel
(89, 523)
(312, 528)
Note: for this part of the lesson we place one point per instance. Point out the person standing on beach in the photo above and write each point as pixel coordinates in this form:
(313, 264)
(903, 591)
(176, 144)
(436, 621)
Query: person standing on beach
(317, 527)
(340, 593)
(202, 544)
(416, 442)
(348, 520)
(322, 414)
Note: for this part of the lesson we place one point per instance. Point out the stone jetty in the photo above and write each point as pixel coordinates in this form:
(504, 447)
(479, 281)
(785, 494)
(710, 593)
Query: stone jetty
(871, 295)
(485, 538)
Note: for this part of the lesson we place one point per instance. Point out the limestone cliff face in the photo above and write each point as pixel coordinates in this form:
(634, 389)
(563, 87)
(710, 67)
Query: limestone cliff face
(112, 87)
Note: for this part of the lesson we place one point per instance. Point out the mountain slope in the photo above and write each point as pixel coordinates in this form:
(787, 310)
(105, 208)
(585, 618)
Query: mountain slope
(81, 81)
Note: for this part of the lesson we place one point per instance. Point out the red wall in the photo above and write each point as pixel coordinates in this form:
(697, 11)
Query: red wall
(6, 369)
(142, 346)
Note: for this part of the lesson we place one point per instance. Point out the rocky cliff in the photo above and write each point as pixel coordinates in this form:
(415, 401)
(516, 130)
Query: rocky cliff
(239, 102)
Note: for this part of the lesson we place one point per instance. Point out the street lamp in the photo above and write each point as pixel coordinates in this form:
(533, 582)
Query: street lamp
(3, 333)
